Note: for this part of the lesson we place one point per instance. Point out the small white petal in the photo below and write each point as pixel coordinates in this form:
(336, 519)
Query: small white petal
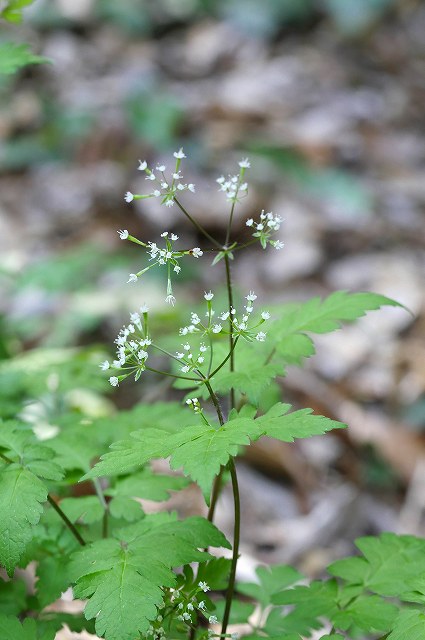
(123, 234)
(129, 197)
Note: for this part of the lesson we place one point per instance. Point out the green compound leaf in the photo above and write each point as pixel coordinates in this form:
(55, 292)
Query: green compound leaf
(319, 316)
(390, 565)
(123, 577)
(12, 12)
(12, 629)
(368, 613)
(22, 495)
(251, 382)
(410, 625)
(15, 56)
(202, 449)
(272, 580)
(313, 602)
(149, 485)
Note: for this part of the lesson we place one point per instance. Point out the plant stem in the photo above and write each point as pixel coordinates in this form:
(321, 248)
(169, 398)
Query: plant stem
(231, 345)
(105, 507)
(56, 507)
(197, 225)
(236, 539)
(66, 520)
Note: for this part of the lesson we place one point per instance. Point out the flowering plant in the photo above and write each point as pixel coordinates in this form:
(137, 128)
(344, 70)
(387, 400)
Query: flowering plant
(152, 575)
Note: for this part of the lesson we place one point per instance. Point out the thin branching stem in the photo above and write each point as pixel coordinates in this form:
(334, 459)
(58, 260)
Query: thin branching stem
(197, 225)
(236, 539)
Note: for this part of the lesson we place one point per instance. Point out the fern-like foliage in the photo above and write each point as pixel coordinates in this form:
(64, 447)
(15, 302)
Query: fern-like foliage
(201, 450)
(123, 576)
(24, 465)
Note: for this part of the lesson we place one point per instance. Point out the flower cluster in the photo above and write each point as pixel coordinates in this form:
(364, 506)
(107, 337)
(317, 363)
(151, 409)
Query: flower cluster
(240, 327)
(161, 256)
(132, 343)
(268, 225)
(188, 361)
(166, 188)
(233, 186)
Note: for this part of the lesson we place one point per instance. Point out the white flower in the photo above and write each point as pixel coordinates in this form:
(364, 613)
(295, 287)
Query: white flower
(261, 336)
(209, 295)
(181, 187)
(225, 315)
(161, 167)
(244, 164)
(142, 165)
(177, 269)
(203, 348)
(278, 245)
(123, 234)
(164, 234)
(144, 308)
(201, 359)
(212, 620)
(201, 605)
(156, 193)
(265, 315)
(177, 176)
(173, 237)
(191, 187)
(203, 586)
(179, 355)
(185, 369)
(234, 636)
(170, 299)
(132, 278)
(151, 176)
(217, 328)
(113, 380)
(129, 197)
(251, 296)
(169, 202)
(179, 153)
(249, 222)
(105, 365)
(197, 253)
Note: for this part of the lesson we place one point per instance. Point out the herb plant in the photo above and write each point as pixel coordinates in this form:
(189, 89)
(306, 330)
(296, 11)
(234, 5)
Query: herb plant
(153, 576)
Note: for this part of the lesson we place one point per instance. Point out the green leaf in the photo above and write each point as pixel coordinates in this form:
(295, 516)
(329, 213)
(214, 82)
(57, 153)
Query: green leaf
(146, 484)
(15, 56)
(52, 580)
(21, 497)
(239, 613)
(279, 424)
(215, 573)
(12, 629)
(272, 580)
(313, 602)
(20, 445)
(86, 509)
(13, 595)
(368, 613)
(410, 625)
(123, 577)
(319, 316)
(390, 564)
(12, 12)
(332, 636)
(252, 381)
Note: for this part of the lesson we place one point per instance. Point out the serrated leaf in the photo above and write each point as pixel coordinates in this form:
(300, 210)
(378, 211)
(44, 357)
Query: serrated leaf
(390, 564)
(410, 625)
(146, 484)
(86, 509)
(215, 573)
(278, 423)
(74, 450)
(251, 382)
(123, 578)
(125, 508)
(21, 497)
(21, 446)
(272, 580)
(368, 613)
(12, 629)
(319, 316)
(15, 56)
(313, 602)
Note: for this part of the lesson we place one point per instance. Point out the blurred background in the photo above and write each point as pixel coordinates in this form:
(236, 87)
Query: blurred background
(327, 99)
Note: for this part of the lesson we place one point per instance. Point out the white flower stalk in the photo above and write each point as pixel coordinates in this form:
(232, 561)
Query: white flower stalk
(243, 326)
(132, 343)
(167, 188)
(268, 225)
(234, 186)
